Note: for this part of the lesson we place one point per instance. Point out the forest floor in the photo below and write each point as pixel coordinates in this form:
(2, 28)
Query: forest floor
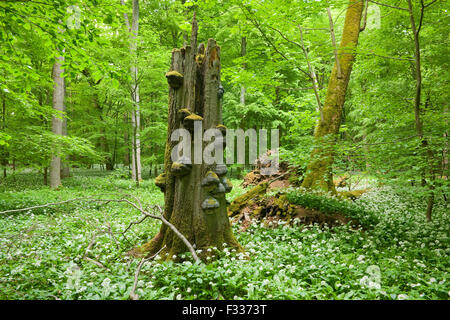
(43, 253)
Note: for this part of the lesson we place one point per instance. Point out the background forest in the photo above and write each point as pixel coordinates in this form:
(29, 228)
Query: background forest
(84, 111)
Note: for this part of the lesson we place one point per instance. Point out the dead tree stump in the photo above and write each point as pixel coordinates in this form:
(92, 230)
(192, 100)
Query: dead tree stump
(194, 194)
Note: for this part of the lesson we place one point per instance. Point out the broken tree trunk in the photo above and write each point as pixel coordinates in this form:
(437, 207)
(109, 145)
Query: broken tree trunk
(319, 172)
(194, 193)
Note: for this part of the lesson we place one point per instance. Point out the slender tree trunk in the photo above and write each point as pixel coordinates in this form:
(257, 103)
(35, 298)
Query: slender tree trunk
(319, 171)
(133, 148)
(45, 174)
(126, 141)
(114, 153)
(417, 110)
(4, 152)
(135, 114)
(65, 170)
(195, 195)
(313, 76)
(57, 122)
(103, 141)
(444, 162)
(333, 41)
(244, 66)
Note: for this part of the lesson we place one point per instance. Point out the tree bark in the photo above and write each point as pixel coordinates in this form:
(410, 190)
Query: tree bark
(185, 195)
(417, 110)
(333, 41)
(57, 122)
(313, 76)
(126, 141)
(65, 170)
(45, 176)
(244, 66)
(319, 171)
(135, 115)
(4, 152)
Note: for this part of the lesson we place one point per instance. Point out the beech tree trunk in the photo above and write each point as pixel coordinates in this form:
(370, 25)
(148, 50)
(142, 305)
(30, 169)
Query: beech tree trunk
(427, 152)
(244, 66)
(133, 28)
(126, 140)
(186, 196)
(3, 151)
(65, 170)
(135, 115)
(319, 172)
(57, 122)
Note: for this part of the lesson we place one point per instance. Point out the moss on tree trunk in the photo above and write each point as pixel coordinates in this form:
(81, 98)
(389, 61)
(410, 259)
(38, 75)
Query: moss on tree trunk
(193, 96)
(319, 173)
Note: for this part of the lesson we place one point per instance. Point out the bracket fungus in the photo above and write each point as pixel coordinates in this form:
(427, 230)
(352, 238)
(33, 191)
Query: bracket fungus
(227, 184)
(210, 181)
(188, 122)
(222, 129)
(160, 181)
(175, 79)
(219, 189)
(180, 168)
(221, 169)
(210, 203)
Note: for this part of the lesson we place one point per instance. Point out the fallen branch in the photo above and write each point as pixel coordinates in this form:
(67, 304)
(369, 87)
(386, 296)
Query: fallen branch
(43, 205)
(144, 212)
(279, 177)
(89, 247)
(95, 262)
(133, 295)
(133, 223)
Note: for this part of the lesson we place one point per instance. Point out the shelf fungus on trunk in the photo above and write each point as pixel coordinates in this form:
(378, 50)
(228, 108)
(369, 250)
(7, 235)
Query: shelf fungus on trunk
(209, 204)
(189, 121)
(181, 167)
(221, 169)
(222, 129)
(227, 184)
(175, 79)
(219, 189)
(160, 181)
(210, 181)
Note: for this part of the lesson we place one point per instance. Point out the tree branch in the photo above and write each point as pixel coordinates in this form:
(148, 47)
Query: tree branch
(133, 295)
(144, 212)
(389, 6)
(333, 40)
(312, 75)
(258, 26)
(363, 27)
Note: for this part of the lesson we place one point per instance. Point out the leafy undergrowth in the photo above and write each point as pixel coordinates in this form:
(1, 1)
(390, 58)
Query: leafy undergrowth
(41, 255)
(328, 204)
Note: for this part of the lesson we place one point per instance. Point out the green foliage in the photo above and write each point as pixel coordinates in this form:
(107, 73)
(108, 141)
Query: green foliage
(329, 204)
(42, 252)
